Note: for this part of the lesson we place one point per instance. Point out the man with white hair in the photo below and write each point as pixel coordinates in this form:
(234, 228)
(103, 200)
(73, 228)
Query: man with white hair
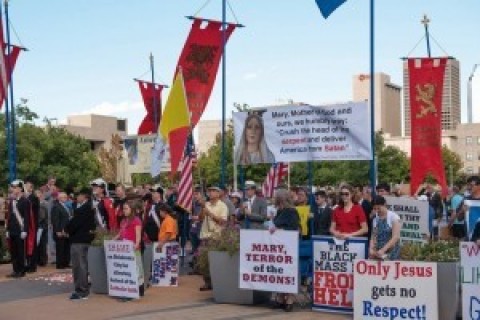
(60, 217)
(17, 228)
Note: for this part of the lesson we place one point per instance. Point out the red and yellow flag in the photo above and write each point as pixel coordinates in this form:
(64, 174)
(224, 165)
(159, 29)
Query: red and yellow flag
(175, 125)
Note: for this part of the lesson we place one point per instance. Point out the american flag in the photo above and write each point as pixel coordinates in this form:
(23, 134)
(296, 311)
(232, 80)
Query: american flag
(185, 186)
(275, 175)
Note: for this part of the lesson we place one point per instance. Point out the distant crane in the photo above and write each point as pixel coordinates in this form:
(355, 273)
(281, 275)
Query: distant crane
(469, 95)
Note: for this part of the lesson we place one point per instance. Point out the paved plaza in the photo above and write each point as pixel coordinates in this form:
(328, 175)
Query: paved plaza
(44, 295)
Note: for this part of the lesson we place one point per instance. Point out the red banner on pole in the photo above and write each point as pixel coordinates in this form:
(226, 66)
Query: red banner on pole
(4, 61)
(199, 61)
(152, 95)
(426, 88)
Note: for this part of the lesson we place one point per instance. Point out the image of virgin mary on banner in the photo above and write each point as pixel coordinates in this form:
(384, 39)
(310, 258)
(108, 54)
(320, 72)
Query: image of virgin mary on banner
(252, 148)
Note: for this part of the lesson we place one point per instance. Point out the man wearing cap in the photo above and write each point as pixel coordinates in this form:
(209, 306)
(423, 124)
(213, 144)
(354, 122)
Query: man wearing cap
(254, 208)
(32, 257)
(17, 228)
(104, 211)
(215, 217)
(80, 230)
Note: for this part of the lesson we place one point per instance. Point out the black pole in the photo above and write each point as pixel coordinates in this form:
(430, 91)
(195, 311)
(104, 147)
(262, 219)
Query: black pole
(12, 119)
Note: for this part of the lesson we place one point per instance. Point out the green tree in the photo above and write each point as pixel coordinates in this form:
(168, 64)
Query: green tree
(49, 151)
(452, 163)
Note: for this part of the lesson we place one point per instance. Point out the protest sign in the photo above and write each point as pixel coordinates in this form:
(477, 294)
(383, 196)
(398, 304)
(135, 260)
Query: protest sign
(472, 216)
(269, 262)
(470, 279)
(165, 266)
(121, 269)
(414, 215)
(299, 133)
(138, 150)
(333, 272)
(395, 290)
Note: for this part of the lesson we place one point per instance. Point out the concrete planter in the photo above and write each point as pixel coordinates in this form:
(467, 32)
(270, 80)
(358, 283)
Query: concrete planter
(97, 267)
(448, 290)
(147, 262)
(224, 271)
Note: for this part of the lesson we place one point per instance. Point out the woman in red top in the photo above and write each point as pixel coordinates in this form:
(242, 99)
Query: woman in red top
(348, 218)
(131, 230)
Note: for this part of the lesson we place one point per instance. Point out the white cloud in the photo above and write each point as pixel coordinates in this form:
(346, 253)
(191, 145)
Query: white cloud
(114, 109)
(250, 76)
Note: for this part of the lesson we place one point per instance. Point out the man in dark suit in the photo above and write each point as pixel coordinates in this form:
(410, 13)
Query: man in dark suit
(35, 205)
(80, 230)
(254, 208)
(322, 218)
(60, 219)
(17, 227)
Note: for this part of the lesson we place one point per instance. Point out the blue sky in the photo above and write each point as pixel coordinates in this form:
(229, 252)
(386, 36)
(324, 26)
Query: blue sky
(84, 54)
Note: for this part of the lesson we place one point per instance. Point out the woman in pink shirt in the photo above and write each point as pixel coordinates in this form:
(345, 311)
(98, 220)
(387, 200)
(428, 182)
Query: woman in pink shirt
(131, 230)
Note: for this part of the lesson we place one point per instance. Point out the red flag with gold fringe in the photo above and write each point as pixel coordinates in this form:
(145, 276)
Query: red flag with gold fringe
(199, 61)
(426, 76)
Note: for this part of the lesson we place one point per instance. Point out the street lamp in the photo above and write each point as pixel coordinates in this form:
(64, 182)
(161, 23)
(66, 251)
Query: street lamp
(469, 95)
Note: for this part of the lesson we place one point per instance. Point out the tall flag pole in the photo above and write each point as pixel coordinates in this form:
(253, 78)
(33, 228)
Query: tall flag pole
(373, 162)
(224, 88)
(4, 78)
(425, 21)
(326, 8)
(155, 109)
(9, 61)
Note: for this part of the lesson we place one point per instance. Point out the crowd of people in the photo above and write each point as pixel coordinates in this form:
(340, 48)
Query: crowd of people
(150, 214)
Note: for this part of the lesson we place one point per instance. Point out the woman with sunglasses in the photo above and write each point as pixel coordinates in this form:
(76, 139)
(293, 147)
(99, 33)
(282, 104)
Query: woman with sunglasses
(348, 218)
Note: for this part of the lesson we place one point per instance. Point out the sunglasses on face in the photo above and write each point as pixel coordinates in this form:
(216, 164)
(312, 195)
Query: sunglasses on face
(344, 193)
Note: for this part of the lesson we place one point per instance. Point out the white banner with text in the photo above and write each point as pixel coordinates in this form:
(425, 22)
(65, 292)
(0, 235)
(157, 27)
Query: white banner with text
(299, 133)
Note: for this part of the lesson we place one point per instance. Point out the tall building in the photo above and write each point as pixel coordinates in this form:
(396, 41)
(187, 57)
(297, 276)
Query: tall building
(451, 112)
(97, 129)
(207, 133)
(388, 112)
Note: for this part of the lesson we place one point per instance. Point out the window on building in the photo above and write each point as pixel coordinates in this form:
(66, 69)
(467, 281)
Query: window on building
(469, 156)
(122, 125)
(469, 170)
(468, 140)
(478, 140)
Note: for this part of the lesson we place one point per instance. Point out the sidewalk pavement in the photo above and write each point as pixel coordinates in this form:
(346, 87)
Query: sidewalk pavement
(44, 295)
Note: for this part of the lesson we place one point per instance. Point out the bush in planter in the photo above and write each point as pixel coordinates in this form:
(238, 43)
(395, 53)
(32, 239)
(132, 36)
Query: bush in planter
(446, 254)
(97, 265)
(227, 241)
(102, 235)
(433, 251)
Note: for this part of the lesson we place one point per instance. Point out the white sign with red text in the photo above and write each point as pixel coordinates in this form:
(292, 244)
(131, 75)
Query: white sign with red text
(395, 290)
(269, 262)
(333, 272)
(470, 279)
(121, 269)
